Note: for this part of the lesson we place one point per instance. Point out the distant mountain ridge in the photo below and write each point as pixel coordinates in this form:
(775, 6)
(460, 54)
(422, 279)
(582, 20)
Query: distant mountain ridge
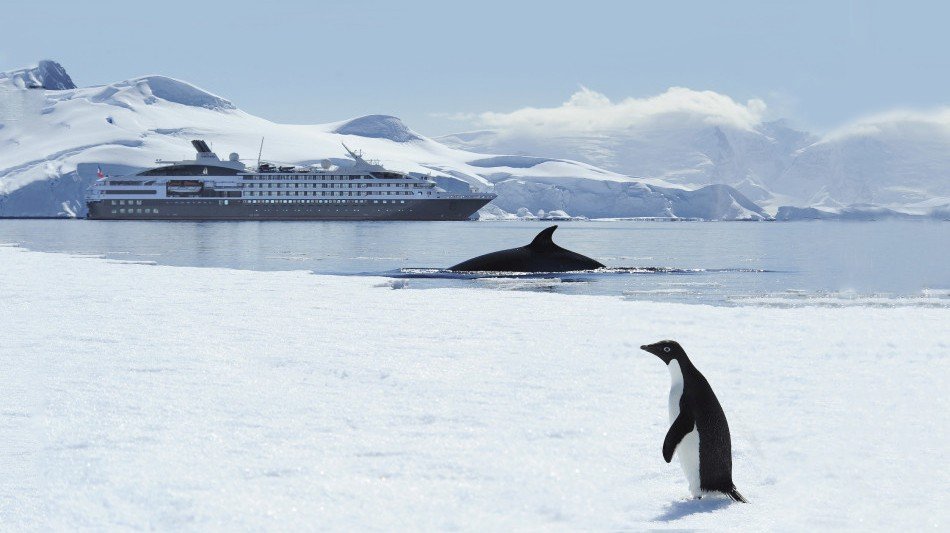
(378, 127)
(47, 74)
(53, 137)
(895, 165)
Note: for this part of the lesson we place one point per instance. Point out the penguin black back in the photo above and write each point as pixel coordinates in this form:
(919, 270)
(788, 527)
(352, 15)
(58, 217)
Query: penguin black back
(697, 410)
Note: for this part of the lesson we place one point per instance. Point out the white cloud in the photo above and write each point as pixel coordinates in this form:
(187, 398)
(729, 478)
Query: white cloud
(933, 124)
(588, 111)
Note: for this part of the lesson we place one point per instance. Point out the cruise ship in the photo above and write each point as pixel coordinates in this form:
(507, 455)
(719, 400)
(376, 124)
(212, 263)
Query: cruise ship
(208, 188)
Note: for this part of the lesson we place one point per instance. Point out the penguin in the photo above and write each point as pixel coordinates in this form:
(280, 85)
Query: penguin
(699, 433)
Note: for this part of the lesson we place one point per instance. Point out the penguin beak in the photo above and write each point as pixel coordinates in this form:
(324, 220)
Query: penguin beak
(651, 349)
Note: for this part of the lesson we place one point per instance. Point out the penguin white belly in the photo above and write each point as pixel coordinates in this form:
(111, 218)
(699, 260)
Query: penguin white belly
(688, 452)
(688, 449)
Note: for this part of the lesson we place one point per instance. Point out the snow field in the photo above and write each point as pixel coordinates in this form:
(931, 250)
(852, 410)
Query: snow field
(141, 396)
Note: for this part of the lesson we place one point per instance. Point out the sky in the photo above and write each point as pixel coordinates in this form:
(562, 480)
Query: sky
(441, 65)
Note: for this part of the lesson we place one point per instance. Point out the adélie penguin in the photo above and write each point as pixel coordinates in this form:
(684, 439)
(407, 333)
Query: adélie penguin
(699, 433)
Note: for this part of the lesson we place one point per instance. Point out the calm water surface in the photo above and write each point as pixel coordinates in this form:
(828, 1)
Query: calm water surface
(721, 263)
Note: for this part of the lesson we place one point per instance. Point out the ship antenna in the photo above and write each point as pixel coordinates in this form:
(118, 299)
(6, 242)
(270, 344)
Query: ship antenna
(259, 152)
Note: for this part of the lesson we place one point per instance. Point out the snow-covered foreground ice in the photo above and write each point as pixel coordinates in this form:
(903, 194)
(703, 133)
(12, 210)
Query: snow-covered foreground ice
(139, 396)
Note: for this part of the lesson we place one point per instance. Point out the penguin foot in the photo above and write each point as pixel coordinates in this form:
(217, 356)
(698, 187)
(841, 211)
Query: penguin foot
(736, 497)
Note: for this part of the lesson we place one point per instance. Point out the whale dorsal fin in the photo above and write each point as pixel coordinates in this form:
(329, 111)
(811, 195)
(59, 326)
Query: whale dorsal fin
(543, 239)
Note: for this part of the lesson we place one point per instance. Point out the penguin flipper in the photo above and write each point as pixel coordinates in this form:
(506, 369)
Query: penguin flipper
(683, 424)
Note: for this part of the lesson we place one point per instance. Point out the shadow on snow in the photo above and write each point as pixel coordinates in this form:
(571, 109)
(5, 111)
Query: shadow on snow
(684, 508)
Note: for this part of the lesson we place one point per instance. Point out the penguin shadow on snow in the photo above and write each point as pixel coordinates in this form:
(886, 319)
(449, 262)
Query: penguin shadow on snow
(683, 508)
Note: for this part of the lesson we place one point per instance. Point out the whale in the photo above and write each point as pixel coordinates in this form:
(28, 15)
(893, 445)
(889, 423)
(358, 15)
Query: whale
(541, 255)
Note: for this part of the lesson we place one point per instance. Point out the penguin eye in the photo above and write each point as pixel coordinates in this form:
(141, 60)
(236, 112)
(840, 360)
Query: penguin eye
(666, 349)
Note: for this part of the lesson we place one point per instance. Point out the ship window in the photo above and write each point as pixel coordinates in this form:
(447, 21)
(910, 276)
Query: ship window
(113, 211)
(190, 170)
(122, 202)
(113, 202)
(138, 202)
(155, 211)
(122, 210)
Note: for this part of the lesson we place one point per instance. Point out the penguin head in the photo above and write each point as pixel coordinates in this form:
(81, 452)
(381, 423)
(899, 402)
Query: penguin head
(666, 350)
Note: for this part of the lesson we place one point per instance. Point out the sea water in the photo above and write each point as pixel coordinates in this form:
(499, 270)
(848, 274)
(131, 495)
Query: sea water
(718, 263)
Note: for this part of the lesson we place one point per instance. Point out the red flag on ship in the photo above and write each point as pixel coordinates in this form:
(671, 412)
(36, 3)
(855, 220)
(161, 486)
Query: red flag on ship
(99, 173)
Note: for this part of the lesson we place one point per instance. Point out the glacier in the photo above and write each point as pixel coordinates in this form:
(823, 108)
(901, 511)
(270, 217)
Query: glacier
(54, 136)
(891, 165)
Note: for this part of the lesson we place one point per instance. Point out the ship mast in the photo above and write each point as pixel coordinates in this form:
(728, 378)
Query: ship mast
(356, 156)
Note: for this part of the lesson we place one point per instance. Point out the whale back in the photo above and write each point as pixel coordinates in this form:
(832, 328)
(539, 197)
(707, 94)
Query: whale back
(540, 255)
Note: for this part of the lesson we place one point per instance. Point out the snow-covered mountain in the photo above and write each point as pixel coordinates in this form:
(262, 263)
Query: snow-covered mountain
(898, 161)
(45, 75)
(891, 165)
(53, 136)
